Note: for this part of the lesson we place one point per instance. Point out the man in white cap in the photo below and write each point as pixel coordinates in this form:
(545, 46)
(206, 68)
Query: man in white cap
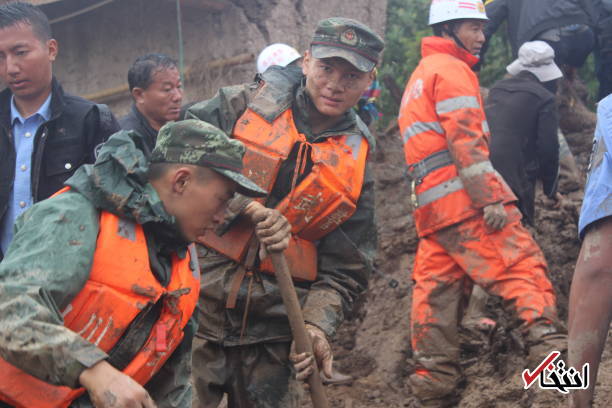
(277, 54)
(523, 120)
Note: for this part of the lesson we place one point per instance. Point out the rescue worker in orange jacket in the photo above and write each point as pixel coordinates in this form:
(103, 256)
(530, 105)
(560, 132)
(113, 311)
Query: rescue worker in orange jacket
(307, 147)
(465, 216)
(98, 287)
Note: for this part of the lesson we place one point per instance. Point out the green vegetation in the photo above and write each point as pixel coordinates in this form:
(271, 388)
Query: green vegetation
(407, 25)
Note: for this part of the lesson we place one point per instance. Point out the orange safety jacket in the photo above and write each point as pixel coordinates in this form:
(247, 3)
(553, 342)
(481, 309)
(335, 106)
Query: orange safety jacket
(121, 284)
(446, 139)
(322, 201)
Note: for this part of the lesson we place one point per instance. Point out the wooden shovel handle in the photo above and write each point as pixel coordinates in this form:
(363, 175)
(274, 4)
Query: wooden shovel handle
(298, 328)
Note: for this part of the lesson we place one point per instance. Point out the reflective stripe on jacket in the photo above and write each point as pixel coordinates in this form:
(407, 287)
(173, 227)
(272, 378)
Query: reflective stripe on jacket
(120, 287)
(318, 204)
(442, 111)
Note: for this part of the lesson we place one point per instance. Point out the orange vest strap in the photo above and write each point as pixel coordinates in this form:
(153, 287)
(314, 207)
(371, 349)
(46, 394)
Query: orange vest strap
(60, 191)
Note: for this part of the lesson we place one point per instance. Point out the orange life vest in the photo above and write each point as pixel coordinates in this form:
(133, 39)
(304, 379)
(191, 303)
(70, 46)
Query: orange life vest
(322, 201)
(445, 136)
(120, 285)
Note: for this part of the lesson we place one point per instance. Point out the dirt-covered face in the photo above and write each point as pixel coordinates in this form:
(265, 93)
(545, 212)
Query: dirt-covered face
(333, 84)
(471, 34)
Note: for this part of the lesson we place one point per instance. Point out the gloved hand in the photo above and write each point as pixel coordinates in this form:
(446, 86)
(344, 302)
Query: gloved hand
(304, 363)
(271, 227)
(495, 216)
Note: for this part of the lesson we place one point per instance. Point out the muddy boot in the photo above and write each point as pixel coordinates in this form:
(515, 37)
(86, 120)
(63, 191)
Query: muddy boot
(435, 389)
(476, 328)
(476, 313)
(448, 401)
(542, 339)
(426, 397)
(570, 178)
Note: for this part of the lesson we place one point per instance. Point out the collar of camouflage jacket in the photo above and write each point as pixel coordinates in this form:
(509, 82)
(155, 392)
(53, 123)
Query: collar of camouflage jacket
(117, 183)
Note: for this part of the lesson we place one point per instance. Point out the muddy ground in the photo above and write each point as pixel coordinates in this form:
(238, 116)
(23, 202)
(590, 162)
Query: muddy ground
(374, 346)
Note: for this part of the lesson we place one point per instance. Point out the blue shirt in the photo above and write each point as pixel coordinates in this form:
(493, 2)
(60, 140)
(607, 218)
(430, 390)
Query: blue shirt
(20, 198)
(597, 202)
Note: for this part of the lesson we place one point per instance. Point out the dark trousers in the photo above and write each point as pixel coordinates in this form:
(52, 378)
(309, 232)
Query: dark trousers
(252, 376)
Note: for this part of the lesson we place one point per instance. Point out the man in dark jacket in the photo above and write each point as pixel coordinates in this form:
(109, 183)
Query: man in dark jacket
(523, 119)
(155, 85)
(564, 24)
(45, 134)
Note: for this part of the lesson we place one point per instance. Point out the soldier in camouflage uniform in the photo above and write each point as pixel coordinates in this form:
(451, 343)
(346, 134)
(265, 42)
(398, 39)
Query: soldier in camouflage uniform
(247, 340)
(194, 172)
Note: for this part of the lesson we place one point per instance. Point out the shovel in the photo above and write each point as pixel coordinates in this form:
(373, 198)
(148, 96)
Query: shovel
(296, 321)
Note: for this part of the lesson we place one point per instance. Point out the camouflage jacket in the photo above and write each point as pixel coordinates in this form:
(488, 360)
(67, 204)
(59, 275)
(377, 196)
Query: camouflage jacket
(345, 256)
(48, 264)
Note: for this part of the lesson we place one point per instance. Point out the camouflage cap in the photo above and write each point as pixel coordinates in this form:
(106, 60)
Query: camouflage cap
(348, 39)
(199, 143)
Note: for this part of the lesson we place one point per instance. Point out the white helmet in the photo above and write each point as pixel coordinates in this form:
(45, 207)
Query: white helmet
(448, 10)
(276, 54)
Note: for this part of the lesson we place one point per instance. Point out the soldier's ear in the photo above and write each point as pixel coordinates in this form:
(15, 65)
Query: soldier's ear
(183, 177)
(180, 180)
(372, 74)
